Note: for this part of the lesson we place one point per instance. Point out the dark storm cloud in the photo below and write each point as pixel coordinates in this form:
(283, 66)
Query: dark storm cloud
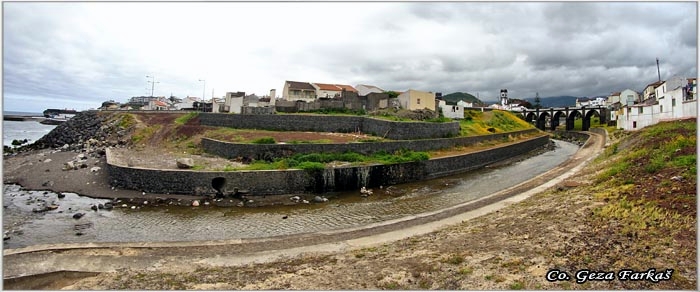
(565, 48)
(568, 48)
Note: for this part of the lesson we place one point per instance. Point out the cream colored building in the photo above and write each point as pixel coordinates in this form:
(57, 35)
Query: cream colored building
(417, 100)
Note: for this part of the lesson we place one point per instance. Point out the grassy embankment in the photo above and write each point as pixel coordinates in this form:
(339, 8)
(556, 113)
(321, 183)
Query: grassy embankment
(633, 207)
(179, 139)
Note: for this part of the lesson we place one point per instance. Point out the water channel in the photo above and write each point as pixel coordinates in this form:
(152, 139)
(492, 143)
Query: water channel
(175, 223)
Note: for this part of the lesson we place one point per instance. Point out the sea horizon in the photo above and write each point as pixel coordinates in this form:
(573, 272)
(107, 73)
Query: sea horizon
(19, 113)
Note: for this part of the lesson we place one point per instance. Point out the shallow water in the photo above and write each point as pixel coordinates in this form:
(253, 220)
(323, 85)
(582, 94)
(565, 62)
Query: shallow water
(30, 130)
(344, 210)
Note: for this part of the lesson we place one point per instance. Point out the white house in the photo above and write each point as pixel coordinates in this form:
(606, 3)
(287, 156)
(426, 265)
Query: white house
(650, 91)
(326, 90)
(670, 100)
(155, 105)
(464, 104)
(613, 98)
(364, 90)
(451, 111)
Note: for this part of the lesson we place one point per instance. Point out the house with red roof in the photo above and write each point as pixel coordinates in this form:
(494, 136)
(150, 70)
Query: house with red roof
(324, 90)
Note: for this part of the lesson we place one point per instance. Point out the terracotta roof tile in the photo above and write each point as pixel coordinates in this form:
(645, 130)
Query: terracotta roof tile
(323, 86)
(347, 87)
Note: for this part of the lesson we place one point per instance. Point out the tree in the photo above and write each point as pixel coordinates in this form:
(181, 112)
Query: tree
(392, 94)
(537, 101)
(526, 104)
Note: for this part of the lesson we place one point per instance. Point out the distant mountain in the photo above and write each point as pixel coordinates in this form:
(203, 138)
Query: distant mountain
(555, 101)
(457, 96)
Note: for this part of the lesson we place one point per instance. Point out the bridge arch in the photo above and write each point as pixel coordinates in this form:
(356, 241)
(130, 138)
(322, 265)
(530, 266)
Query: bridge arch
(556, 117)
(542, 120)
(540, 116)
(530, 117)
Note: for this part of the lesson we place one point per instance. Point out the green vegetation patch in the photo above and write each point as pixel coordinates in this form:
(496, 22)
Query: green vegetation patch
(484, 123)
(318, 161)
(145, 133)
(264, 140)
(126, 121)
(185, 118)
(648, 182)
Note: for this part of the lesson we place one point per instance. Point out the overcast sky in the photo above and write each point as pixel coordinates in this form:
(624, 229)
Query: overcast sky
(77, 55)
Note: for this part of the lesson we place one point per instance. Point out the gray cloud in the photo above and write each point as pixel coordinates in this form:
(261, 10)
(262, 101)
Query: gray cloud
(76, 52)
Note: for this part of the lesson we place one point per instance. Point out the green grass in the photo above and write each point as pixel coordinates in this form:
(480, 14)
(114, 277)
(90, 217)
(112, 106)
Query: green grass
(517, 286)
(264, 140)
(126, 121)
(320, 141)
(185, 118)
(454, 259)
(317, 161)
(145, 133)
(484, 123)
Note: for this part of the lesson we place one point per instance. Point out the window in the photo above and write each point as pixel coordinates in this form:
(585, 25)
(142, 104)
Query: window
(673, 102)
(419, 101)
(641, 110)
(634, 125)
(661, 108)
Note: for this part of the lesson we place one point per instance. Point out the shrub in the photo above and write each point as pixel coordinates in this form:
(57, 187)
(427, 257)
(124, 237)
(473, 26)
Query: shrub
(311, 166)
(264, 140)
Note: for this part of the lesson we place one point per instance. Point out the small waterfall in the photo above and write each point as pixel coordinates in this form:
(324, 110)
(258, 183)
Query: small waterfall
(363, 176)
(328, 175)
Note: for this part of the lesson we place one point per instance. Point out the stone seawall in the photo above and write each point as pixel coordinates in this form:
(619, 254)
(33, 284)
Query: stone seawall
(301, 181)
(333, 123)
(265, 151)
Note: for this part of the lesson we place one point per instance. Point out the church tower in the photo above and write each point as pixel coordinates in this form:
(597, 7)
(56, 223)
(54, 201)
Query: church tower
(504, 97)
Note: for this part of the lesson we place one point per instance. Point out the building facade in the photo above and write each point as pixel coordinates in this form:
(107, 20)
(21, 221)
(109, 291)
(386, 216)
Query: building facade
(417, 100)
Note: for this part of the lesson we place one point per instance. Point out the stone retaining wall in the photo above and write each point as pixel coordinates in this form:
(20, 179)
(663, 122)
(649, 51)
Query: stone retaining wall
(267, 151)
(301, 181)
(333, 123)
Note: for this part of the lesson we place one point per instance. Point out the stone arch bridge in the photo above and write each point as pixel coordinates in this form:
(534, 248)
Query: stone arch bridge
(542, 116)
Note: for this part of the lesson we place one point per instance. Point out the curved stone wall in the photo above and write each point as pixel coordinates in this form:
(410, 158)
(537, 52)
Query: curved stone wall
(333, 123)
(265, 151)
(301, 181)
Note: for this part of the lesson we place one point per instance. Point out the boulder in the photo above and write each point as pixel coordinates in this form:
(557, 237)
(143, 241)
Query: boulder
(95, 169)
(69, 165)
(78, 215)
(318, 199)
(184, 163)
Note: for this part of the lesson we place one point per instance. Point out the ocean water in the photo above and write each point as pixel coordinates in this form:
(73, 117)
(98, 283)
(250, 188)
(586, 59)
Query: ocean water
(31, 130)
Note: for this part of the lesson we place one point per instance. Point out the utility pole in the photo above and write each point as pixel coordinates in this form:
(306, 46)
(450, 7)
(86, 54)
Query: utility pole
(657, 69)
(153, 83)
(203, 88)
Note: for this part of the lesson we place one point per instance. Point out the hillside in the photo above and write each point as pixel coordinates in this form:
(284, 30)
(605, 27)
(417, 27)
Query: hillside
(453, 98)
